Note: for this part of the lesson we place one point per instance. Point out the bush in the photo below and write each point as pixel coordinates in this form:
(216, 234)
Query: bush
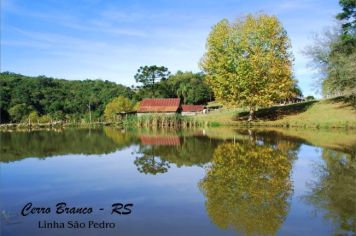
(33, 117)
(44, 119)
(119, 104)
(19, 112)
(310, 98)
(214, 124)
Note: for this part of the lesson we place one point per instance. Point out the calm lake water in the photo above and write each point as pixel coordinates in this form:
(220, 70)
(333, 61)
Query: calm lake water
(197, 182)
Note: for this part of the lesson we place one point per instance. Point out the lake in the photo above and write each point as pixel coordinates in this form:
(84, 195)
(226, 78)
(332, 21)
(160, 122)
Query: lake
(199, 182)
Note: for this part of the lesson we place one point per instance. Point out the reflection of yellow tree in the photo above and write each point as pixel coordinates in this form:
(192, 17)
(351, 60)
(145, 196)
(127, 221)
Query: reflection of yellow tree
(248, 188)
(122, 139)
(334, 192)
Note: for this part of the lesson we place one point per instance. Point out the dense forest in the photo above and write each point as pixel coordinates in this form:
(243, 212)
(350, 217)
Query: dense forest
(56, 99)
(43, 99)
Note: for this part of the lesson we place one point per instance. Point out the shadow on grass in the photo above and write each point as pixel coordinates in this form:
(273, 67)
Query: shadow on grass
(276, 112)
(344, 101)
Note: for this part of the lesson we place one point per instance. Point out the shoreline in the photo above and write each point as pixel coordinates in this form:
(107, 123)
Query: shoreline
(234, 124)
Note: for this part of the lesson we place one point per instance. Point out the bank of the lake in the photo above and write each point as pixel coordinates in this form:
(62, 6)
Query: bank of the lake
(328, 113)
(324, 114)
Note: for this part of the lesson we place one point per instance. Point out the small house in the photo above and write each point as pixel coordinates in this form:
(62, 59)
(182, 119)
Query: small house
(164, 106)
(192, 110)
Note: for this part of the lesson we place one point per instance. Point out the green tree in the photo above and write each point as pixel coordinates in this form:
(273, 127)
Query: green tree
(45, 119)
(182, 91)
(348, 15)
(149, 76)
(248, 187)
(119, 104)
(248, 62)
(335, 62)
(333, 53)
(190, 87)
(57, 98)
(33, 117)
(19, 112)
(310, 98)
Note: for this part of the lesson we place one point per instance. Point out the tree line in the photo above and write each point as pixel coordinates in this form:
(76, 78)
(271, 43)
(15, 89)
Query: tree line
(45, 99)
(58, 99)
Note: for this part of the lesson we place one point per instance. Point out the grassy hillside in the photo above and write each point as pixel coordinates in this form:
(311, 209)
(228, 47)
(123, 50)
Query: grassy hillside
(331, 113)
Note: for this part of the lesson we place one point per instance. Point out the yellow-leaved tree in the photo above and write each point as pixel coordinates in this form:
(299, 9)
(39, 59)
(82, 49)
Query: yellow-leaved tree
(119, 104)
(248, 62)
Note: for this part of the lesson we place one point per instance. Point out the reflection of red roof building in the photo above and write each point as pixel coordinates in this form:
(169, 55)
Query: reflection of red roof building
(160, 140)
(192, 108)
(156, 105)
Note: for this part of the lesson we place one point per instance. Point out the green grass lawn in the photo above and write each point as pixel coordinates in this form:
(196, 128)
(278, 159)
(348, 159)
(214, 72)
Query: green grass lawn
(331, 113)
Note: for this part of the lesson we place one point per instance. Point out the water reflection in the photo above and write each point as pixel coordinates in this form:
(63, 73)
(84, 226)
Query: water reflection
(18, 145)
(149, 161)
(248, 187)
(188, 151)
(333, 194)
(157, 152)
(121, 138)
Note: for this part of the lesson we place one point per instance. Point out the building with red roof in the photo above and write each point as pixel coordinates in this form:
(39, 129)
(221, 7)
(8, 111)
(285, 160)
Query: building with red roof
(192, 109)
(159, 105)
(167, 106)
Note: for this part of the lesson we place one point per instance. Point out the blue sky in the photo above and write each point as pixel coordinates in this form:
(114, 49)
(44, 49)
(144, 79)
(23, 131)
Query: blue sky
(110, 40)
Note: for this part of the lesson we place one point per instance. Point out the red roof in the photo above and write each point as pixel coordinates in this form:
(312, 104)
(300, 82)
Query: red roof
(191, 108)
(159, 140)
(159, 105)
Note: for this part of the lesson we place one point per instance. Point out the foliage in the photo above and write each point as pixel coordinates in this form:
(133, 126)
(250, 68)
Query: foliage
(334, 54)
(190, 87)
(348, 15)
(295, 90)
(248, 62)
(33, 117)
(18, 112)
(149, 76)
(248, 187)
(45, 119)
(310, 98)
(61, 99)
(119, 104)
